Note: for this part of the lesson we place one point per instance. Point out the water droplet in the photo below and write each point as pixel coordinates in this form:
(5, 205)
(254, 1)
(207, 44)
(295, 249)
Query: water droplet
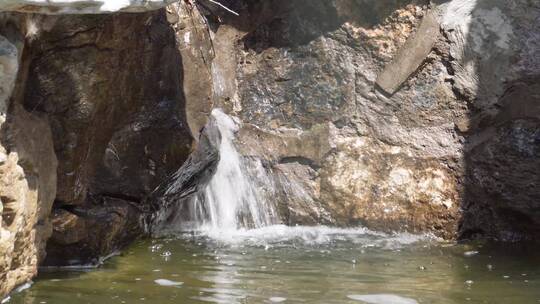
(506, 277)
(470, 253)
(353, 261)
(156, 247)
(490, 267)
(469, 282)
(166, 254)
(277, 299)
(422, 268)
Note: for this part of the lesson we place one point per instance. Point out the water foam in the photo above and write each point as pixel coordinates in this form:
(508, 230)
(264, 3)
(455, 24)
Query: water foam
(284, 236)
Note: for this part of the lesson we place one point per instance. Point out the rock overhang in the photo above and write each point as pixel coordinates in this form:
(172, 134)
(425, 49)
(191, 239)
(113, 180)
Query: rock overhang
(81, 6)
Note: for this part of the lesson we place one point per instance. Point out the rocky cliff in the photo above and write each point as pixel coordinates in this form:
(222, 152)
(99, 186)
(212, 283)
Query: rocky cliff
(396, 115)
(402, 115)
(92, 120)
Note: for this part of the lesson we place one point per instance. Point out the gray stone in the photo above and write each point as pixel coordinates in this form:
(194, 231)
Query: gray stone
(411, 55)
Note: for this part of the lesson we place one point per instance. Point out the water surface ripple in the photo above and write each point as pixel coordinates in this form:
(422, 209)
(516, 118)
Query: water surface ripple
(281, 264)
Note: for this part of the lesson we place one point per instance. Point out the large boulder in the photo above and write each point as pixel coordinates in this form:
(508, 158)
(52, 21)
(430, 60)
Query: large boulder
(301, 76)
(426, 154)
(494, 56)
(103, 95)
(115, 103)
(27, 170)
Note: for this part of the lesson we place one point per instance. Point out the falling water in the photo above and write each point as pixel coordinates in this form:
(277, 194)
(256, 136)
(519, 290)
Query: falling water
(238, 195)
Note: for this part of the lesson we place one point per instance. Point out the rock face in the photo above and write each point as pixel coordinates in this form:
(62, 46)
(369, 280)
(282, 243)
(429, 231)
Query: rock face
(439, 155)
(301, 76)
(196, 49)
(108, 104)
(115, 103)
(497, 70)
(27, 169)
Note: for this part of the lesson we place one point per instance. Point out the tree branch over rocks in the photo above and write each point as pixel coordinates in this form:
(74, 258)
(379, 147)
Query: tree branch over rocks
(224, 7)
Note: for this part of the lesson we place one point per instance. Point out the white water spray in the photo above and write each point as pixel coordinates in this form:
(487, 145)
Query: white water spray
(238, 195)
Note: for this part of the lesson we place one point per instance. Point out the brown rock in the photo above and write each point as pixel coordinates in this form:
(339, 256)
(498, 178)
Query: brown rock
(411, 55)
(68, 228)
(27, 182)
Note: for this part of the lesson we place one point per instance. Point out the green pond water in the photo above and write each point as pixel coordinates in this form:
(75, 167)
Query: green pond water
(299, 265)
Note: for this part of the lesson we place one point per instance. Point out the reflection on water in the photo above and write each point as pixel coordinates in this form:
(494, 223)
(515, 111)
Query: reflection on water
(300, 265)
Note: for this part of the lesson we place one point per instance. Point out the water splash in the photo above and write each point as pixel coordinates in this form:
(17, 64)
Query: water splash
(287, 236)
(238, 194)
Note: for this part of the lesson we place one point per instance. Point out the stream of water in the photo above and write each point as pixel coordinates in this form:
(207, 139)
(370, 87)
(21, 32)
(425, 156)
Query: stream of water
(236, 196)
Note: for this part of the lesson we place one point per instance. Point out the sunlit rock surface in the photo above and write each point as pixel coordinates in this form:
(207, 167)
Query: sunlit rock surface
(81, 6)
(27, 171)
(430, 157)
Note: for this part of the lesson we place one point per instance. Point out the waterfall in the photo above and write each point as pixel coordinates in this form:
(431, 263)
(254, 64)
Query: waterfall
(239, 194)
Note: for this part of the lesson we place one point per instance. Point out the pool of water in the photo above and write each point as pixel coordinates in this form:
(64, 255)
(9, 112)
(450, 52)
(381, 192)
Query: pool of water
(299, 265)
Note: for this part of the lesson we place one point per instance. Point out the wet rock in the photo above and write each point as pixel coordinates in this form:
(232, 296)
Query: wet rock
(169, 200)
(68, 227)
(86, 234)
(196, 49)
